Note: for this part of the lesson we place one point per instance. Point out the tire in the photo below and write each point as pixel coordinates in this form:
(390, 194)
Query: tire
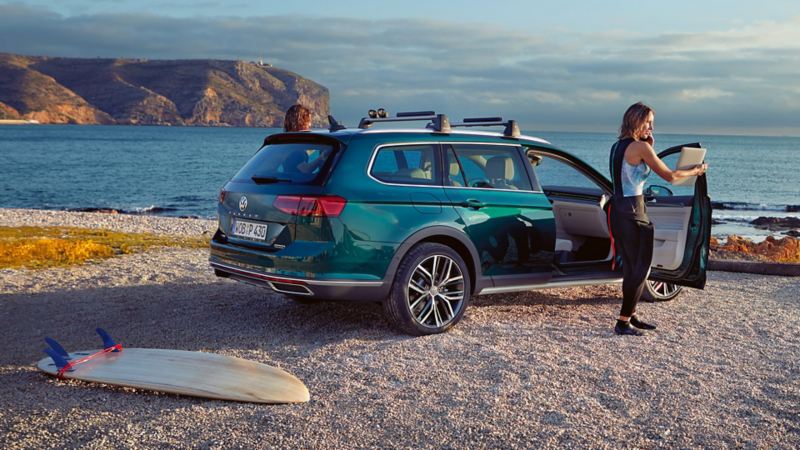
(430, 292)
(659, 291)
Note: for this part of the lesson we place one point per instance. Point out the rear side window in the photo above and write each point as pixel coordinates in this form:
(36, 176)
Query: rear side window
(286, 163)
(407, 164)
(487, 166)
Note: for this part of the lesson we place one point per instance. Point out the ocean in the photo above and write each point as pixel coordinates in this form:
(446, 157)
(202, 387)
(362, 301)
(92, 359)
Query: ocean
(177, 171)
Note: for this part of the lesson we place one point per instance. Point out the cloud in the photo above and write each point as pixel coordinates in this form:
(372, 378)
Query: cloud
(691, 95)
(565, 80)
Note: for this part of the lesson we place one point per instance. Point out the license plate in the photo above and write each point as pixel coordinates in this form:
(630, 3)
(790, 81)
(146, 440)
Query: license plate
(251, 230)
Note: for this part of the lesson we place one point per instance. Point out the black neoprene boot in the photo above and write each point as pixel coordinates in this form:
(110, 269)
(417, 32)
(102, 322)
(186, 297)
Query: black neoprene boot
(641, 325)
(625, 328)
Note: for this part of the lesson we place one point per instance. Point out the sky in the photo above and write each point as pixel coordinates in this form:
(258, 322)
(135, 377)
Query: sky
(705, 67)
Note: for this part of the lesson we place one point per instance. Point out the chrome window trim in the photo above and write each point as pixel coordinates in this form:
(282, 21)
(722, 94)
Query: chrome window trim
(407, 144)
(403, 144)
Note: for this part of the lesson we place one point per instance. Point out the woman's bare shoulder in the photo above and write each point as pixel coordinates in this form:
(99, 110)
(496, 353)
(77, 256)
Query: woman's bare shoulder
(636, 151)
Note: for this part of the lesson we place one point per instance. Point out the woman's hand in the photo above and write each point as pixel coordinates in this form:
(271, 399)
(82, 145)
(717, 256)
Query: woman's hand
(650, 140)
(701, 168)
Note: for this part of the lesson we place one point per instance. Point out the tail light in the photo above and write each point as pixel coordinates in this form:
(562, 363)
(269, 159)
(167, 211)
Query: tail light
(308, 205)
(222, 194)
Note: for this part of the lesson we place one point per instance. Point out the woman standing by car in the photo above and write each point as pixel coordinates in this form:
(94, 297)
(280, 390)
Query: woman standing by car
(632, 159)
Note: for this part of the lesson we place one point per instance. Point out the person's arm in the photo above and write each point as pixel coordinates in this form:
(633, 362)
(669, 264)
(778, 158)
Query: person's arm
(308, 167)
(654, 162)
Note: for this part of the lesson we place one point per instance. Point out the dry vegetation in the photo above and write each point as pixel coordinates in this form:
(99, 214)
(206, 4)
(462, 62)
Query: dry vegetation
(39, 247)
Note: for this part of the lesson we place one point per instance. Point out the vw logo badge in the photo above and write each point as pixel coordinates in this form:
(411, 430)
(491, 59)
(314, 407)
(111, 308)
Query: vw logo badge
(243, 203)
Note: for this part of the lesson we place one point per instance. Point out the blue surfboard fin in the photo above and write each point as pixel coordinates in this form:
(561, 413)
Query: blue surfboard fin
(57, 347)
(107, 340)
(57, 358)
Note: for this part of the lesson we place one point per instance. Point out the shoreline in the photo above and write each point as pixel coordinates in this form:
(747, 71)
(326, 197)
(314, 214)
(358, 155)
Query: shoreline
(130, 223)
(729, 250)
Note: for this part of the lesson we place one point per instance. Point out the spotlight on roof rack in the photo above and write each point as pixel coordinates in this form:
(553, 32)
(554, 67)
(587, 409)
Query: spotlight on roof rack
(372, 114)
(382, 114)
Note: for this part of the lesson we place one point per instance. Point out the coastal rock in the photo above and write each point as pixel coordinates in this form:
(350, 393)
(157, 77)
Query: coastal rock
(158, 92)
(37, 96)
(785, 250)
(776, 223)
(8, 113)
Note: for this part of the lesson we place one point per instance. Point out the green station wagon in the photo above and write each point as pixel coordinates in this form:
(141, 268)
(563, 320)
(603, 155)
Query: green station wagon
(423, 219)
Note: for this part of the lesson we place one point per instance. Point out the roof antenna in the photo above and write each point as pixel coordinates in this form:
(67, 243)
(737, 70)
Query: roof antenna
(334, 125)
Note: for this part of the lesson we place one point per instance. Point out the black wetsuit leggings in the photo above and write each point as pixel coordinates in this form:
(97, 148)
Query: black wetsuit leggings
(633, 238)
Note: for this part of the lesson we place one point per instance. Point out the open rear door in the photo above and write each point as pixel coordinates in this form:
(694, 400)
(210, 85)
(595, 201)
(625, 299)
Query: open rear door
(681, 216)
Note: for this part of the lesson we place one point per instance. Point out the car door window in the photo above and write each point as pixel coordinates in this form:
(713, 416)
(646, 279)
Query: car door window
(408, 164)
(554, 173)
(487, 166)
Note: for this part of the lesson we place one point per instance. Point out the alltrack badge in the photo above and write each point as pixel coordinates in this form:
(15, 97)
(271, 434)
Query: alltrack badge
(243, 203)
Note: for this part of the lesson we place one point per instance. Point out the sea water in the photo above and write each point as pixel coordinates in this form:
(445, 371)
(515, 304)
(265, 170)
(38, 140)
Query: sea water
(178, 171)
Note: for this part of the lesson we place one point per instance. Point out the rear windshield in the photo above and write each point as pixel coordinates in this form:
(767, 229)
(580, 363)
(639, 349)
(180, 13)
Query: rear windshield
(300, 163)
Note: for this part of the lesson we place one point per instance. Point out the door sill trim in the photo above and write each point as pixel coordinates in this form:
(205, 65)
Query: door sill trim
(551, 284)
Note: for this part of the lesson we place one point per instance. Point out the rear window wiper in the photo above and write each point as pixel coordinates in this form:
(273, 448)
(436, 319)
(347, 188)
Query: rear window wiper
(269, 180)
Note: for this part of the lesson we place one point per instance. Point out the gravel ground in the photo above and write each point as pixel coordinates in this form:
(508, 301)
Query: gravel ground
(539, 369)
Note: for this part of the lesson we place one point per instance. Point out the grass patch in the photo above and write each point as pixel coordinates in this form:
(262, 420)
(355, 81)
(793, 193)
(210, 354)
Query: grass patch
(40, 247)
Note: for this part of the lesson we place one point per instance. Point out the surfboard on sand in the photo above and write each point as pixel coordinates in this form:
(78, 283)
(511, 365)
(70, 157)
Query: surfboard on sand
(197, 374)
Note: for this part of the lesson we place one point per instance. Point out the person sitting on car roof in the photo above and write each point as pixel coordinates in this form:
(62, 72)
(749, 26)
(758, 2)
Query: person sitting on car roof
(298, 118)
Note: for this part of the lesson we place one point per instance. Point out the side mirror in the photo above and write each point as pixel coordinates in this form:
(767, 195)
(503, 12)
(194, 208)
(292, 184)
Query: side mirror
(657, 191)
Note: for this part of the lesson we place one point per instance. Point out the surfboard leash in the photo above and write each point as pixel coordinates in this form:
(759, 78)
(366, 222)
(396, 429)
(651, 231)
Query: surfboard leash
(64, 362)
(69, 367)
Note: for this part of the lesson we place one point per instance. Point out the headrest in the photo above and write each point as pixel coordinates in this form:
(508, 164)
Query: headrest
(500, 167)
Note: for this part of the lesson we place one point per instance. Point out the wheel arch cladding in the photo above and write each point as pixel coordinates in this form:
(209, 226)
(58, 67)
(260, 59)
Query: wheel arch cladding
(445, 236)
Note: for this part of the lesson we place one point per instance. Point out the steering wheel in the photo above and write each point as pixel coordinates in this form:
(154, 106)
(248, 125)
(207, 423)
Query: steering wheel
(480, 183)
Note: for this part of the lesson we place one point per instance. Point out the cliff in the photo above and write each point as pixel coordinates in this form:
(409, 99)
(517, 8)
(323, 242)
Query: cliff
(158, 92)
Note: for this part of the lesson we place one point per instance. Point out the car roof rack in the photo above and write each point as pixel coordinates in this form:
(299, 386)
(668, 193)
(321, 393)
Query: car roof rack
(511, 127)
(438, 122)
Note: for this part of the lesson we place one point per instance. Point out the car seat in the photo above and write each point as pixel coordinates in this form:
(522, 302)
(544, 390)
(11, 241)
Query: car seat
(455, 177)
(500, 172)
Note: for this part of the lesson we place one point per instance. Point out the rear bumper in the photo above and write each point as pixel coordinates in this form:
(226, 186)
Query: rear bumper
(329, 289)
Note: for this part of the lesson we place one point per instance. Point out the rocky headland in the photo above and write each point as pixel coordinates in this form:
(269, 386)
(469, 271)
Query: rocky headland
(153, 92)
(772, 249)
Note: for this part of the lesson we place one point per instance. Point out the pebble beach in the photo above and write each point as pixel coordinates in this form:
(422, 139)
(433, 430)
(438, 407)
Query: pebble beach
(539, 369)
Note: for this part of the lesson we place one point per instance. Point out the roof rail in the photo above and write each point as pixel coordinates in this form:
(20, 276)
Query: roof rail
(511, 127)
(334, 125)
(438, 122)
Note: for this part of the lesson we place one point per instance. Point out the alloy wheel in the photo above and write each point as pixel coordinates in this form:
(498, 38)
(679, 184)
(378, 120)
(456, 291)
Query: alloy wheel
(661, 291)
(435, 292)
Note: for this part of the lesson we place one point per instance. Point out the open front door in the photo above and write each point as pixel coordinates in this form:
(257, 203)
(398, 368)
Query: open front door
(681, 216)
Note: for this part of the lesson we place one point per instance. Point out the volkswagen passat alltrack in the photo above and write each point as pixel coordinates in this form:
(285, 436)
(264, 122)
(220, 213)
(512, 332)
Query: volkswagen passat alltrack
(424, 219)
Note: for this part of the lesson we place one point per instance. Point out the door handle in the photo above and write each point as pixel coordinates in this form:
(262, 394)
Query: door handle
(472, 203)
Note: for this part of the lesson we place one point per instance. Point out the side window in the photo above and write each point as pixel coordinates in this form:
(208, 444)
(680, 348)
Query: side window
(455, 176)
(407, 164)
(553, 173)
(657, 187)
(488, 166)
